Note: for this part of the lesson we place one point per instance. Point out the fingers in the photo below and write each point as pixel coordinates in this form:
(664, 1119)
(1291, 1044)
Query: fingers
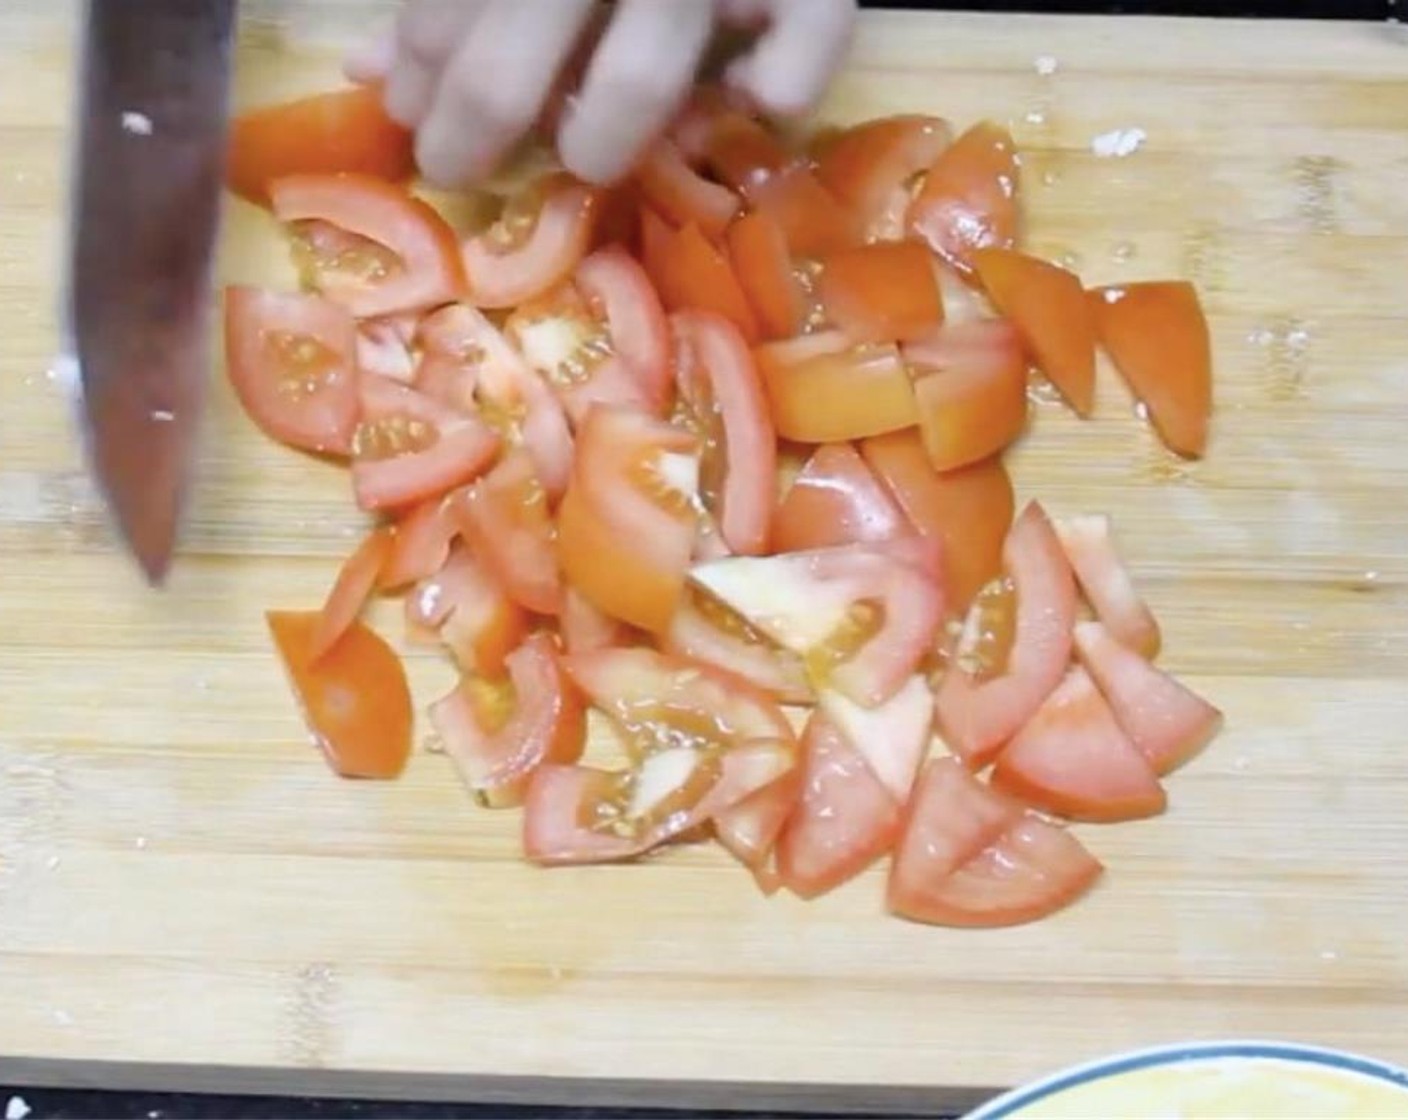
(493, 87)
(805, 42)
(371, 60)
(427, 33)
(639, 75)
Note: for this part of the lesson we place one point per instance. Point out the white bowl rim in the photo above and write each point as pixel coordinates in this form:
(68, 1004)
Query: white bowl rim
(1127, 1062)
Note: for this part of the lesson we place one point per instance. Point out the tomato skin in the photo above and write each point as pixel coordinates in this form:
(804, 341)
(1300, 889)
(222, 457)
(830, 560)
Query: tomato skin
(635, 318)
(1089, 545)
(976, 716)
(674, 189)
(1071, 759)
(762, 262)
(969, 197)
(355, 699)
(741, 152)
(1048, 307)
(345, 131)
(867, 167)
(813, 223)
(264, 332)
(1157, 337)
(970, 857)
(467, 607)
(836, 500)
(716, 375)
(420, 543)
(690, 273)
(969, 510)
(750, 829)
(885, 292)
(824, 389)
(412, 229)
(505, 518)
(501, 277)
(355, 583)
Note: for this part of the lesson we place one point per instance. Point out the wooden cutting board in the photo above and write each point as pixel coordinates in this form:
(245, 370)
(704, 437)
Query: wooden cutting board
(188, 897)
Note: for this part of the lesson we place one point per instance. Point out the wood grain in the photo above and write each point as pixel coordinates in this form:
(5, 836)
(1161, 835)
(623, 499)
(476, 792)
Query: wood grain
(187, 896)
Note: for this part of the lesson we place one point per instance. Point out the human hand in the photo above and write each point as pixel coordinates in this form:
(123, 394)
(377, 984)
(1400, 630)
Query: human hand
(472, 77)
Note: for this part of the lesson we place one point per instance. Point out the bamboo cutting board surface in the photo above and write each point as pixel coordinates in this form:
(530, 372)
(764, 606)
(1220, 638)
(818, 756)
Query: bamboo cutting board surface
(186, 893)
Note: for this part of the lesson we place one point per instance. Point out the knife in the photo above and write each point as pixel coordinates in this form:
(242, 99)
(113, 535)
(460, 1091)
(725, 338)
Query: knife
(149, 130)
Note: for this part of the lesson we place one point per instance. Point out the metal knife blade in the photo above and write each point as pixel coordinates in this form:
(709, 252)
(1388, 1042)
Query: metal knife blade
(145, 208)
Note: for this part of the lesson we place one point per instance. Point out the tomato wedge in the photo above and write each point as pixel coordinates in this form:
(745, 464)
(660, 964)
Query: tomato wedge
(836, 499)
(969, 197)
(408, 448)
(420, 543)
(1157, 337)
(893, 738)
(971, 857)
(543, 234)
(1089, 545)
(706, 630)
(978, 714)
(620, 292)
(1072, 759)
(674, 189)
(1163, 718)
(424, 267)
(354, 585)
(813, 223)
(467, 606)
(762, 262)
(751, 828)
(1048, 306)
(971, 391)
(345, 131)
(500, 732)
(969, 510)
(505, 518)
(584, 628)
(691, 273)
(355, 699)
(869, 168)
(719, 385)
(885, 292)
(824, 388)
(290, 359)
(740, 152)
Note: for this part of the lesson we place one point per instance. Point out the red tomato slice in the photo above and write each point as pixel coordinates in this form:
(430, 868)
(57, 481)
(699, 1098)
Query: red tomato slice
(762, 262)
(408, 448)
(505, 518)
(835, 500)
(1049, 308)
(385, 346)
(627, 525)
(584, 628)
(870, 166)
(534, 247)
(467, 606)
(1071, 759)
(290, 361)
(979, 714)
(885, 292)
(893, 738)
(971, 391)
(719, 383)
(1109, 588)
(969, 197)
(1157, 337)
(672, 188)
(972, 857)
(621, 293)
(741, 152)
(691, 273)
(420, 543)
(355, 699)
(703, 629)
(354, 585)
(426, 268)
(969, 510)
(845, 819)
(1167, 722)
(346, 131)
(813, 223)
(500, 733)
(750, 829)
(861, 617)
(823, 388)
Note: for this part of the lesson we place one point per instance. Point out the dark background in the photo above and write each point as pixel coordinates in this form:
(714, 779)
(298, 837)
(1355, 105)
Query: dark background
(47, 1103)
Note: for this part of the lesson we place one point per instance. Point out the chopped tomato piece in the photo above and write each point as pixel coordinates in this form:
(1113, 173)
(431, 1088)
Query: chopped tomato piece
(673, 188)
(823, 388)
(692, 273)
(751, 828)
(885, 292)
(706, 630)
(627, 524)
(969, 197)
(861, 617)
(869, 168)
(385, 346)
(813, 223)
(505, 518)
(1167, 721)
(543, 234)
(354, 585)
(420, 543)
(971, 857)
(969, 510)
(500, 732)
(346, 131)
(893, 738)
(471, 612)
(354, 699)
(408, 448)
(971, 390)
(621, 292)
(741, 152)
(1109, 588)
(763, 265)
(1157, 337)
(290, 361)
(1048, 306)
(836, 499)
(405, 257)
(845, 819)
(719, 385)
(979, 712)
(584, 628)
(1072, 759)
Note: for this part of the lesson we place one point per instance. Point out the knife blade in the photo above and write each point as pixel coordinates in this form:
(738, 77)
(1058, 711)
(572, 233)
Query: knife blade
(150, 135)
